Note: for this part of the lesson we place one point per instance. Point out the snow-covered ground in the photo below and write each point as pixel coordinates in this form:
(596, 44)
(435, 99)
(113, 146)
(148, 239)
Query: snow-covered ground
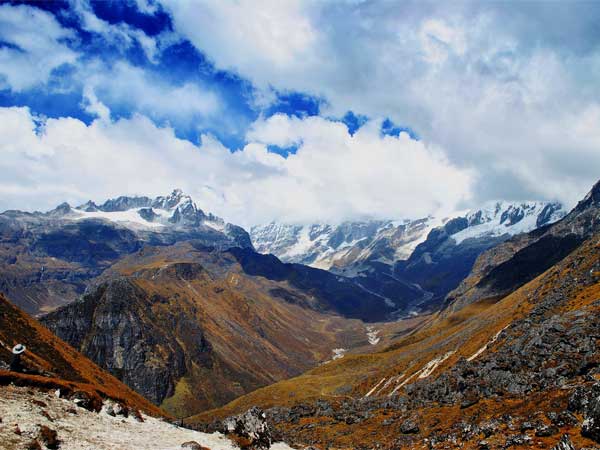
(486, 345)
(494, 217)
(79, 429)
(372, 335)
(129, 217)
(338, 353)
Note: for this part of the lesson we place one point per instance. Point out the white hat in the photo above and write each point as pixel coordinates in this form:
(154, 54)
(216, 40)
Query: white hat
(18, 349)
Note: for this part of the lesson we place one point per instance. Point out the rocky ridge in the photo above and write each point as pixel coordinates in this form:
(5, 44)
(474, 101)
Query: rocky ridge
(413, 264)
(191, 327)
(48, 259)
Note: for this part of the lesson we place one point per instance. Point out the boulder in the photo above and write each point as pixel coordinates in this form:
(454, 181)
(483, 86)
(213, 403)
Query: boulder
(409, 426)
(193, 445)
(251, 426)
(49, 437)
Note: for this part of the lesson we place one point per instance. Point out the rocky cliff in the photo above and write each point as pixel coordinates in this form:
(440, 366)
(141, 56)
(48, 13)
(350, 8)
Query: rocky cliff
(192, 328)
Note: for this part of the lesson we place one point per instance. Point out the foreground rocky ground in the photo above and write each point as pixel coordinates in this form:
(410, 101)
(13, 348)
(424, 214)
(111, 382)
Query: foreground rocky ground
(33, 419)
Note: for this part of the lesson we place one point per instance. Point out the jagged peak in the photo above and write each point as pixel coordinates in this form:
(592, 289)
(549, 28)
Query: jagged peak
(60, 210)
(592, 198)
(88, 206)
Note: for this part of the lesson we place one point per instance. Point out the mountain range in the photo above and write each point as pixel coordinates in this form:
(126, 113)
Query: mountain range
(399, 332)
(511, 359)
(412, 264)
(47, 259)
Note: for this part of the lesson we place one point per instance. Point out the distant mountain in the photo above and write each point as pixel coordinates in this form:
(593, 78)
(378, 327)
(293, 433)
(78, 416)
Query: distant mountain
(413, 264)
(512, 360)
(46, 259)
(513, 263)
(447, 256)
(337, 246)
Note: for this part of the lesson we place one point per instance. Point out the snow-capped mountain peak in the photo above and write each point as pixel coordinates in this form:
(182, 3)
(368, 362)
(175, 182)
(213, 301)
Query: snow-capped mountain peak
(506, 218)
(328, 246)
(162, 215)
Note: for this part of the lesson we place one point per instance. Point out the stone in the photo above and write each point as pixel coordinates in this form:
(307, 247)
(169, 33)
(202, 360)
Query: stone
(483, 445)
(564, 444)
(251, 426)
(33, 445)
(193, 445)
(545, 430)
(49, 437)
(409, 426)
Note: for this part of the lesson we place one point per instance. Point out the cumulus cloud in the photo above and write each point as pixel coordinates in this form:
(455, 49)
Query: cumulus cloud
(120, 34)
(132, 88)
(487, 82)
(332, 176)
(33, 45)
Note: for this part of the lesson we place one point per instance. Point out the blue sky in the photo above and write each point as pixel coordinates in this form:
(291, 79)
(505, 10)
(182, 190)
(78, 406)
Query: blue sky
(304, 110)
(178, 63)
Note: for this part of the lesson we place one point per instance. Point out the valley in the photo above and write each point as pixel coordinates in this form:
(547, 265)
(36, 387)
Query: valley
(196, 321)
(299, 225)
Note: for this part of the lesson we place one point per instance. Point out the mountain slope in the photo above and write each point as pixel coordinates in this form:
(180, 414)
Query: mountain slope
(412, 264)
(329, 246)
(513, 263)
(47, 259)
(485, 372)
(495, 372)
(192, 327)
(60, 364)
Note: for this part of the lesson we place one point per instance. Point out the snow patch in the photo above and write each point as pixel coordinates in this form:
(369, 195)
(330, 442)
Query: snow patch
(130, 216)
(338, 353)
(372, 335)
(368, 394)
(494, 223)
(99, 431)
(433, 364)
(487, 344)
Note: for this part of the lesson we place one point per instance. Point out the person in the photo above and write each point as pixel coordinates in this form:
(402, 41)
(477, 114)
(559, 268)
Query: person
(15, 363)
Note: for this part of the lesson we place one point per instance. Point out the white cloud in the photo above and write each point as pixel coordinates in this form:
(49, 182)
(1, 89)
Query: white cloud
(497, 86)
(36, 47)
(119, 34)
(332, 176)
(127, 86)
(247, 36)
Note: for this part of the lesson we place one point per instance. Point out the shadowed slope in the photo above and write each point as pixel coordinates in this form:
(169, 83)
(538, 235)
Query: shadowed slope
(64, 366)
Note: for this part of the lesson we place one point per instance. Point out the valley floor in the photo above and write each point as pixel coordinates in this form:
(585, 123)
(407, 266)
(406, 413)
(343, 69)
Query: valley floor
(24, 410)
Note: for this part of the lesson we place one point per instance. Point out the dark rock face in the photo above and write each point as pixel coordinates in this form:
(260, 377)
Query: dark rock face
(147, 214)
(586, 400)
(409, 426)
(438, 265)
(591, 199)
(529, 262)
(546, 214)
(238, 235)
(113, 325)
(90, 242)
(331, 291)
(564, 444)
(124, 203)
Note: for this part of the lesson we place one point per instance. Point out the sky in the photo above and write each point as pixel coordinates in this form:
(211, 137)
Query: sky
(299, 111)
